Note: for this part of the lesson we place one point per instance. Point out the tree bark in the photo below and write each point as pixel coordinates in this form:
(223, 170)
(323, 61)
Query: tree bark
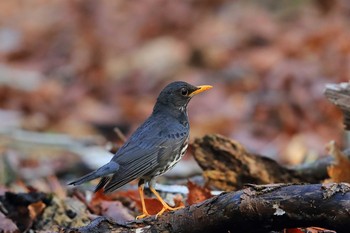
(261, 208)
(228, 166)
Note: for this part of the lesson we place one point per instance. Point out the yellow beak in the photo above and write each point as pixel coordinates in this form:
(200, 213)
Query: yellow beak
(200, 89)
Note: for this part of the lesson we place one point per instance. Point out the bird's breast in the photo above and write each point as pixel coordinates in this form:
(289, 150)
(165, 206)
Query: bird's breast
(174, 159)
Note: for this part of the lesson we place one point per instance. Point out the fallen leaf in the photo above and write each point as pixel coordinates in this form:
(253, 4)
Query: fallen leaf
(98, 196)
(197, 193)
(308, 230)
(132, 194)
(6, 225)
(340, 170)
(17, 207)
(293, 230)
(116, 211)
(153, 206)
(36, 209)
(318, 230)
(95, 203)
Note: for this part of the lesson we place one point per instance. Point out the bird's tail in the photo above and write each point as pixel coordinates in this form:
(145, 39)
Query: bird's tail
(105, 170)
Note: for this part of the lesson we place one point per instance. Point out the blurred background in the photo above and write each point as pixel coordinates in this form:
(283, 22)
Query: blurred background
(72, 71)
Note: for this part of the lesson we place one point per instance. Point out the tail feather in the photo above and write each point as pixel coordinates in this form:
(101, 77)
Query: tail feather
(91, 176)
(102, 183)
(105, 170)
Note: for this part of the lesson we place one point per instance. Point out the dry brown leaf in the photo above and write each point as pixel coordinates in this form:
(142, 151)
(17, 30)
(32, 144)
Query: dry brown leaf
(22, 207)
(318, 230)
(100, 195)
(197, 193)
(6, 225)
(308, 230)
(340, 170)
(293, 230)
(153, 206)
(131, 194)
(116, 211)
(97, 198)
(36, 209)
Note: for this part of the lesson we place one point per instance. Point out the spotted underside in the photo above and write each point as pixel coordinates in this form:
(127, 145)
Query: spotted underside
(176, 157)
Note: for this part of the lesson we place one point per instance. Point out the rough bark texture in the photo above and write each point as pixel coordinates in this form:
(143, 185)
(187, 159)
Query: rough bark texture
(228, 166)
(255, 209)
(261, 209)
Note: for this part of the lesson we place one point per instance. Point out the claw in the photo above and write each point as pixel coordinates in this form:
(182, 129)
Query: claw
(144, 215)
(166, 207)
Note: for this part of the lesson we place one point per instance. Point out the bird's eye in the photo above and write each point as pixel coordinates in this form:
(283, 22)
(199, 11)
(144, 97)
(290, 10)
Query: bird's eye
(184, 91)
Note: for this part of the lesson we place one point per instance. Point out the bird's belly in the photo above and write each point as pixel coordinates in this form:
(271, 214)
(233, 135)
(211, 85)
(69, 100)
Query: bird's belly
(173, 161)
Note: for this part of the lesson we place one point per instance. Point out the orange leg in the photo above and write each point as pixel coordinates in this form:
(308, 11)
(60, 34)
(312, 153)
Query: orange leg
(165, 205)
(142, 197)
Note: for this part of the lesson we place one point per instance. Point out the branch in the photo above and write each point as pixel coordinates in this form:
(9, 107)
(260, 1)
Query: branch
(254, 209)
(227, 165)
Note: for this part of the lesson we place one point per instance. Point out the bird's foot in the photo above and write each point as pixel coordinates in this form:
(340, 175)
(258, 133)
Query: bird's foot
(168, 208)
(144, 215)
(173, 208)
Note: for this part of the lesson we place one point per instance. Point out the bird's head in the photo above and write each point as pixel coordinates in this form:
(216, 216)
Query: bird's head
(176, 95)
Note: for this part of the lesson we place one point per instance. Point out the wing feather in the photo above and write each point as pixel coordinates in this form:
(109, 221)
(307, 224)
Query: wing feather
(142, 153)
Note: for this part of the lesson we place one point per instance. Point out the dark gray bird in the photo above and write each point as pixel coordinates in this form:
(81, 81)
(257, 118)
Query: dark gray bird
(154, 148)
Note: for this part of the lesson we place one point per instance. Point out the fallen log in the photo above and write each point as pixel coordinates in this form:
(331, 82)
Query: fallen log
(261, 208)
(228, 166)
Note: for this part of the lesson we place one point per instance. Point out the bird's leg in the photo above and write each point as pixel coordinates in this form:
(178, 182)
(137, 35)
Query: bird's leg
(142, 197)
(164, 204)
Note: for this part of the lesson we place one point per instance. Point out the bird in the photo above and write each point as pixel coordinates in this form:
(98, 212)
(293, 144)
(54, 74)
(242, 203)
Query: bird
(153, 149)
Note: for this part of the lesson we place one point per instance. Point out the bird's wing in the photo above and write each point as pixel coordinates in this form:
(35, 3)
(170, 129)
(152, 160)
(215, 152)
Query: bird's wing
(143, 152)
